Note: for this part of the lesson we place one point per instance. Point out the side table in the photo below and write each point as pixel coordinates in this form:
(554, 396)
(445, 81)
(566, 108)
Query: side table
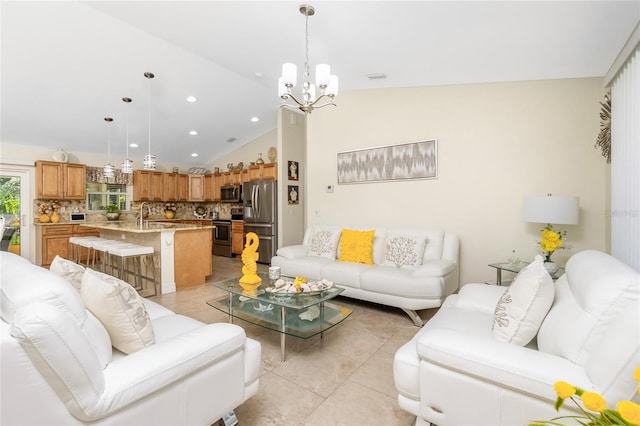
(515, 268)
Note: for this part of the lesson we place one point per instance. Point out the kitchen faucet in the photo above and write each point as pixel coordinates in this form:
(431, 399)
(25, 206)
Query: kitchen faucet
(144, 203)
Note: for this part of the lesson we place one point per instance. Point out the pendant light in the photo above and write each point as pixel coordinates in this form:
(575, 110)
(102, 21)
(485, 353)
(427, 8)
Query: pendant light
(149, 161)
(108, 169)
(127, 164)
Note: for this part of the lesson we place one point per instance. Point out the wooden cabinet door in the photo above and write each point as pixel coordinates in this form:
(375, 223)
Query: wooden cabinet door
(208, 187)
(50, 179)
(183, 187)
(217, 183)
(75, 181)
(170, 187)
(196, 187)
(269, 171)
(141, 182)
(155, 186)
(237, 237)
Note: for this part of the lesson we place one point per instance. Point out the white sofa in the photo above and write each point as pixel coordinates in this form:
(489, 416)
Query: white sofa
(455, 372)
(434, 277)
(53, 351)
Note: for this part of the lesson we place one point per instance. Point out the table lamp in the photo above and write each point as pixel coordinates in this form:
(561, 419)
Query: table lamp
(551, 210)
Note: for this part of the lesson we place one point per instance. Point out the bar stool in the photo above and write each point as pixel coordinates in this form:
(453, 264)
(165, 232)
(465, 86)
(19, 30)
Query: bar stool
(76, 244)
(134, 252)
(101, 259)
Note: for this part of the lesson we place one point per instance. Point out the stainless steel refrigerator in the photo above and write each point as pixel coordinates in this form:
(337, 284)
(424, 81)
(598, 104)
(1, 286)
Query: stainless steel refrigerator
(259, 199)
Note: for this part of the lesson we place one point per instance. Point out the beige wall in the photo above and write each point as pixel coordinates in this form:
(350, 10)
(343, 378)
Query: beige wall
(496, 144)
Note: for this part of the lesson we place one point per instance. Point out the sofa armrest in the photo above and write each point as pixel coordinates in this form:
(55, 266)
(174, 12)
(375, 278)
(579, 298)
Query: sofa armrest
(293, 252)
(435, 268)
(150, 369)
(505, 364)
(479, 297)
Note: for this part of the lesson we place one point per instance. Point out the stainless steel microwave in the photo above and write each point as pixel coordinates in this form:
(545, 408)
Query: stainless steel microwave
(231, 194)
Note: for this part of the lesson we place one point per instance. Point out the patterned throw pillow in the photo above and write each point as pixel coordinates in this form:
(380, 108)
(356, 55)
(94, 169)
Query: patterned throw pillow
(357, 246)
(68, 270)
(324, 243)
(119, 308)
(524, 305)
(403, 251)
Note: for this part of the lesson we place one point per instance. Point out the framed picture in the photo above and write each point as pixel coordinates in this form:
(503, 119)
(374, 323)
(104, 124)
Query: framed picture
(293, 194)
(416, 160)
(293, 170)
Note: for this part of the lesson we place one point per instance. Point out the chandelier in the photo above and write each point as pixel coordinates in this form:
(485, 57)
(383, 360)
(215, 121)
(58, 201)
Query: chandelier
(127, 164)
(149, 161)
(108, 168)
(327, 83)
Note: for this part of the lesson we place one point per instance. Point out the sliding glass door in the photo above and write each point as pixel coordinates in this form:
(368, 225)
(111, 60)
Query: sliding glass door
(14, 205)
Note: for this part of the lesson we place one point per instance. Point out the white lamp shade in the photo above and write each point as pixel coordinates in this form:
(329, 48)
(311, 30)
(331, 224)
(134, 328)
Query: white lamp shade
(551, 209)
(289, 74)
(332, 88)
(323, 73)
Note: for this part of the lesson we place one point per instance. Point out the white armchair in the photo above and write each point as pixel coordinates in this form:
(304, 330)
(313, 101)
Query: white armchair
(454, 372)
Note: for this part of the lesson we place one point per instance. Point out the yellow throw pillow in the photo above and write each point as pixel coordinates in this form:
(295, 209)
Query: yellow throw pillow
(357, 246)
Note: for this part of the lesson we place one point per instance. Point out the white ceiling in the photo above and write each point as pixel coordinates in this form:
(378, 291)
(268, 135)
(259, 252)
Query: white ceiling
(67, 64)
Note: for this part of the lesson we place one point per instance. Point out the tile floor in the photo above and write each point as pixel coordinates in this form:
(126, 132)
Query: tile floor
(344, 379)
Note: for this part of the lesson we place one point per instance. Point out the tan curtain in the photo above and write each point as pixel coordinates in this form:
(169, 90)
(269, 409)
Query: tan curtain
(96, 174)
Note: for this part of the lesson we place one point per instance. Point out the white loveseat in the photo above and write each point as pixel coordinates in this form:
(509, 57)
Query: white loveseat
(455, 372)
(424, 285)
(58, 366)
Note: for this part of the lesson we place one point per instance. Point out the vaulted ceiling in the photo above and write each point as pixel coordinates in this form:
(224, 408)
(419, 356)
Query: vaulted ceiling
(67, 64)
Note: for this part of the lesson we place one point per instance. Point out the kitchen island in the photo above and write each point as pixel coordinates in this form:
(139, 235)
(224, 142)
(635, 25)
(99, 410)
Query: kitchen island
(182, 251)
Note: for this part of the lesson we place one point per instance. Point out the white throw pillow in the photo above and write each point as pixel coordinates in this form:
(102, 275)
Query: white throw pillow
(119, 308)
(404, 251)
(68, 270)
(324, 243)
(523, 306)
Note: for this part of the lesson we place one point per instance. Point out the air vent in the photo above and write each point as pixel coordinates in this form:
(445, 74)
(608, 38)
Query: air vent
(377, 76)
(232, 139)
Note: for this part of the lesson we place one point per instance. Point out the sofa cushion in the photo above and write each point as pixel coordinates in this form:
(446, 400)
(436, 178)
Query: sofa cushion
(357, 246)
(23, 283)
(68, 270)
(344, 274)
(403, 251)
(120, 309)
(400, 282)
(593, 292)
(324, 242)
(523, 305)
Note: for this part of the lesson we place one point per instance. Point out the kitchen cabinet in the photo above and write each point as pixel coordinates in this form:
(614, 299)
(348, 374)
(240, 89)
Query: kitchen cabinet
(147, 185)
(53, 240)
(237, 236)
(267, 171)
(217, 184)
(169, 187)
(208, 187)
(183, 187)
(196, 188)
(62, 181)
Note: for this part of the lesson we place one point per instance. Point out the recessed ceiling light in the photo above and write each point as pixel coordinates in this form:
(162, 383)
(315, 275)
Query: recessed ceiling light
(258, 74)
(193, 133)
(133, 145)
(191, 99)
(255, 119)
(194, 154)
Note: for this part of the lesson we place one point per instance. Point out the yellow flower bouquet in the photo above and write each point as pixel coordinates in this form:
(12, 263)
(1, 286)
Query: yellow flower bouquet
(595, 411)
(551, 241)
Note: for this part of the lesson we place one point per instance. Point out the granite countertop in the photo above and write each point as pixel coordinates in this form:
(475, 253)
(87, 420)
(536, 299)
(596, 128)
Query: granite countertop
(148, 227)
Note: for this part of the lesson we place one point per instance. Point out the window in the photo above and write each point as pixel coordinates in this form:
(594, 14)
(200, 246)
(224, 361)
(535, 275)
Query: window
(100, 195)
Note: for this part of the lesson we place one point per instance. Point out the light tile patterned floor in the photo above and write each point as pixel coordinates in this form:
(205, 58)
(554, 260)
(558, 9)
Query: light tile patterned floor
(344, 379)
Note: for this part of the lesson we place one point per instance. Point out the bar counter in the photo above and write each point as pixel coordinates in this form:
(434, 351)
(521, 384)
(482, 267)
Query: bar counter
(182, 251)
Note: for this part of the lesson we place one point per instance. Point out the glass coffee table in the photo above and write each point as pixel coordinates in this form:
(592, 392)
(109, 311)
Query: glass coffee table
(300, 315)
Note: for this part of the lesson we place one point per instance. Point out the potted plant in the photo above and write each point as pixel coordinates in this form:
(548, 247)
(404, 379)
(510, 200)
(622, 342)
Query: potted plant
(113, 212)
(14, 243)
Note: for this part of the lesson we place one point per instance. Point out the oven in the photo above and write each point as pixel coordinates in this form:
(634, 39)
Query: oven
(222, 238)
